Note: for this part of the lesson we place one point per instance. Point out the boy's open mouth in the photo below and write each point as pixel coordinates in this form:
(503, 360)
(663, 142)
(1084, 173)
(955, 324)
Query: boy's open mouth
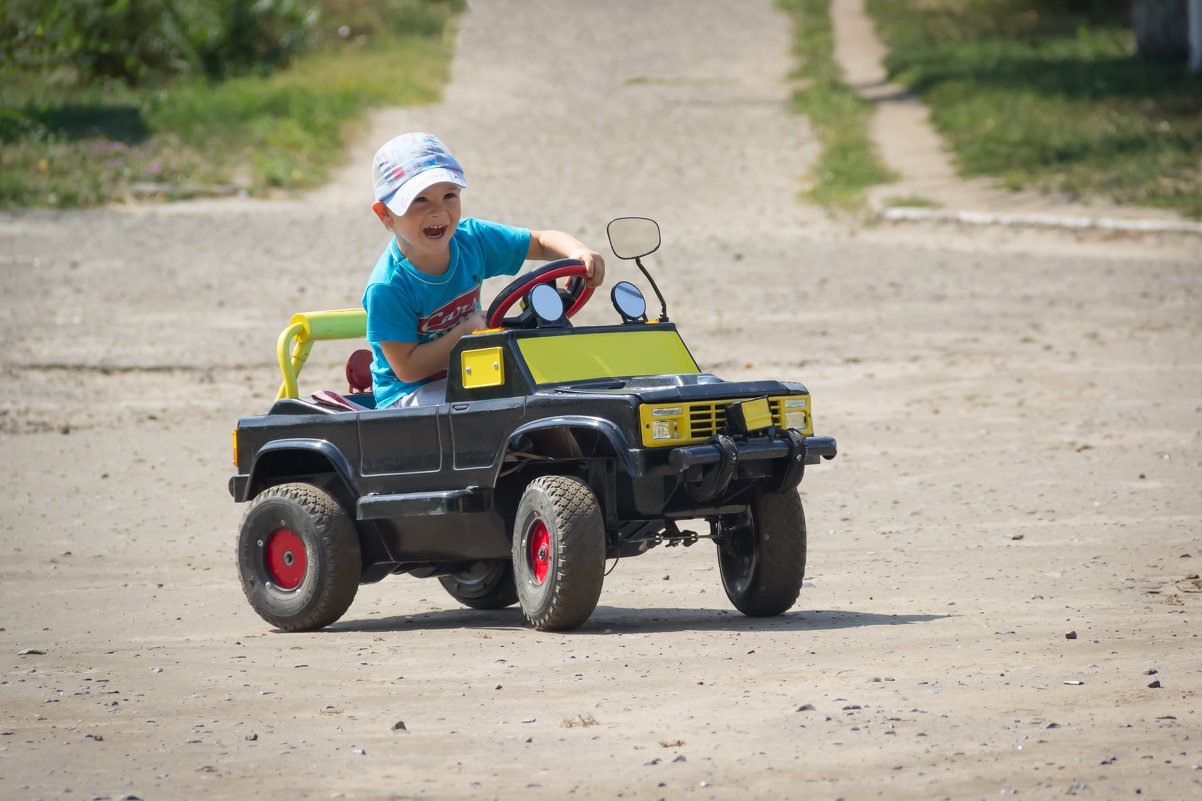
(435, 231)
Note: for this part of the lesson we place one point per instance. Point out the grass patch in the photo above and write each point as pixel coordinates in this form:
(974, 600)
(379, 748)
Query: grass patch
(1051, 95)
(912, 201)
(583, 720)
(849, 164)
(70, 145)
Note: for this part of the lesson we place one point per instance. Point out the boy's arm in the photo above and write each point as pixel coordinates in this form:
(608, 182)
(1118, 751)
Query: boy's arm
(546, 245)
(412, 361)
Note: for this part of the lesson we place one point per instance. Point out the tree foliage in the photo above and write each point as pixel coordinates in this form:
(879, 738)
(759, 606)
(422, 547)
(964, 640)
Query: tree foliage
(142, 40)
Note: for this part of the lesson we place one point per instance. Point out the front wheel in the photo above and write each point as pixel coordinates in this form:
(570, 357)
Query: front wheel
(558, 552)
(762, 558)
(298, 556)
(484, 585)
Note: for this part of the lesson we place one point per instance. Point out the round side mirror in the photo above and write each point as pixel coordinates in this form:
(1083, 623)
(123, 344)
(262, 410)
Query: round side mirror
(547, 304)
(633, 237)
(629, 301)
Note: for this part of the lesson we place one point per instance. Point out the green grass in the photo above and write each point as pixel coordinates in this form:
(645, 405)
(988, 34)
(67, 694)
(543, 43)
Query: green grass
(65, 146)
(1051, 95)
(911, 201)
(848, 165)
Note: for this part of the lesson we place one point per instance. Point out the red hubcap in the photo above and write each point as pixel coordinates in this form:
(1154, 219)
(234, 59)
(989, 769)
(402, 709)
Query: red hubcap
(538, 551)
(286, 559)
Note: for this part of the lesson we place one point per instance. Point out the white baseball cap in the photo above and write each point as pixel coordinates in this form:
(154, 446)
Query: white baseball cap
(409, 164)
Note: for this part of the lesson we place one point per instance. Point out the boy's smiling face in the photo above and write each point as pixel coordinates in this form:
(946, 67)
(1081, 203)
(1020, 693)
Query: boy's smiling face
(424, 232)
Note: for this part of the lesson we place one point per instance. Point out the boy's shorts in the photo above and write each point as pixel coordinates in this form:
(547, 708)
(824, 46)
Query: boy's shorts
(429, 394)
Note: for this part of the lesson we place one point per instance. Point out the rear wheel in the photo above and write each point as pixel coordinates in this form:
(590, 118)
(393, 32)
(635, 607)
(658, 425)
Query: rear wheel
(762, 558)
(298, 556)
(484, 585)
(558, 552)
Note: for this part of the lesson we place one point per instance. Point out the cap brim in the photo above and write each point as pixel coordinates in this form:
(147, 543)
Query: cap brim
(402, 198)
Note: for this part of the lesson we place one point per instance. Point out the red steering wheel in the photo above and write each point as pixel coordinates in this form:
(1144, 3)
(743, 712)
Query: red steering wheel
(577, 291)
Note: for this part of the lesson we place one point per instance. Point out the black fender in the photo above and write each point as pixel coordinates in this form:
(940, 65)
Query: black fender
(287, 458)
(606, 428)
(600, 476)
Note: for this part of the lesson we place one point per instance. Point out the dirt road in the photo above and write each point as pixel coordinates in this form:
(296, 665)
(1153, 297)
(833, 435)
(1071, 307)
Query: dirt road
(999, 598)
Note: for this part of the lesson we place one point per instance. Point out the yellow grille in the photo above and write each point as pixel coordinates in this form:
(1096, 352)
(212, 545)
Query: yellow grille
(690, 423)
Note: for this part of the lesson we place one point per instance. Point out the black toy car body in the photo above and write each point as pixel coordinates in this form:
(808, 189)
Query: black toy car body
(557, 447)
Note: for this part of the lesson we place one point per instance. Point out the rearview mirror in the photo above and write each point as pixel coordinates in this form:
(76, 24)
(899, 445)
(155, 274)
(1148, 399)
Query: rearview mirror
(633, 237)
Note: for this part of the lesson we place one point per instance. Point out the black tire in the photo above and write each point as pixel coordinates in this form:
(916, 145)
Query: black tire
(298, 555)
(484, 585)
(558, 552)
(763, 560)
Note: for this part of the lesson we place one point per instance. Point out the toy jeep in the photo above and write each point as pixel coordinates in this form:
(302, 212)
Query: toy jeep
(557, 448)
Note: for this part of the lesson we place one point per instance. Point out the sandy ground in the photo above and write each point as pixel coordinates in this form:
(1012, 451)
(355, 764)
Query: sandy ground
(1002, 596)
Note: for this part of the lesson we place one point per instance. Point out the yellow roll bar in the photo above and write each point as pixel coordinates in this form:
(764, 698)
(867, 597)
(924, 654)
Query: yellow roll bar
(303, 330)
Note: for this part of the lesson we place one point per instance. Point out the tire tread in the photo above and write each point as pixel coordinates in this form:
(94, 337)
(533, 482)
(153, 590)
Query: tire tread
(580, 553)
(780, 532)
(339, 544)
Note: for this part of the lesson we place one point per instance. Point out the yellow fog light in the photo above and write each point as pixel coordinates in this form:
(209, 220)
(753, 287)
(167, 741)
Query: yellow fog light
(750, 416)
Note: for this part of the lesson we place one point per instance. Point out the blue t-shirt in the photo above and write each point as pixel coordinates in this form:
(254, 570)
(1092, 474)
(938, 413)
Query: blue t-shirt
(406, 305)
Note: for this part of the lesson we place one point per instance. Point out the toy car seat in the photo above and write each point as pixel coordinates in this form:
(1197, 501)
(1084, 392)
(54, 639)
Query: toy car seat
(358, 377)
(358, 371)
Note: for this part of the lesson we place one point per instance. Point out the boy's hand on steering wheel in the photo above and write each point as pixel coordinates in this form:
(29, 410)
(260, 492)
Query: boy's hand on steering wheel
(593, 262)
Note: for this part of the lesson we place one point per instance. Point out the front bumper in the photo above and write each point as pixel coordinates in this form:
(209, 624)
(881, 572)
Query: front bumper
(816, 449)
(709, 468)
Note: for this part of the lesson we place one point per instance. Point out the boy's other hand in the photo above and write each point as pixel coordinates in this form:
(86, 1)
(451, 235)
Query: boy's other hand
(474, 323)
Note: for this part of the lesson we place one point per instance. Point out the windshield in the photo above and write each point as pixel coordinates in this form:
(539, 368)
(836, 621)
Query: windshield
(610, 354)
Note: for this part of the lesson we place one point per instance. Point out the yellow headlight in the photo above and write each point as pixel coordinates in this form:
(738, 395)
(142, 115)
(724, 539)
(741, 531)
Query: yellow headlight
(663, 425)
(797, 413)
(795, 420)
(663, 429)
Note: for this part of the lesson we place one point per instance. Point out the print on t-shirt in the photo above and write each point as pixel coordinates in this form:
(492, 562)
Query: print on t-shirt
(438, 322)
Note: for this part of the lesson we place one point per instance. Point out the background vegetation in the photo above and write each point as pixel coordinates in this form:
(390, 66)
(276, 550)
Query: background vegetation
(848, 164)
(101, 100)
(1051, 94)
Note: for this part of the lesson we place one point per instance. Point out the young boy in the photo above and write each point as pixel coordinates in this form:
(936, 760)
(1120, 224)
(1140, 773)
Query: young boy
(424, 293)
